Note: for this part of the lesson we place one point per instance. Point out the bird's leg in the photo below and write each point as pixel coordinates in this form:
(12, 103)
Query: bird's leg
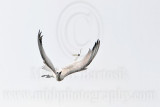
(47, 76)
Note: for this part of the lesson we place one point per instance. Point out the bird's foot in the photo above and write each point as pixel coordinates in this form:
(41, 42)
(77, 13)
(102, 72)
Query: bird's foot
(47, 76)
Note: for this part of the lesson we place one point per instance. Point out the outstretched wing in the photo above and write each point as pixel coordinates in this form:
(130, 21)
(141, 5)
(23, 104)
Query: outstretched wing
(82, 64)
(46, 60)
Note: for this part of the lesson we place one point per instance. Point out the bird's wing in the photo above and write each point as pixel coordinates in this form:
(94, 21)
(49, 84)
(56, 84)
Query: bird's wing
(46, 60)
(82, 64)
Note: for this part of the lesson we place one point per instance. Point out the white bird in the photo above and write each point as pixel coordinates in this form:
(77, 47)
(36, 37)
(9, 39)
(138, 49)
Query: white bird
(74, 67)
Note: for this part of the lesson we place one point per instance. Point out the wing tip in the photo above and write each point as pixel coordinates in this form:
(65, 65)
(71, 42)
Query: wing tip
(97, 43)
(40, 36)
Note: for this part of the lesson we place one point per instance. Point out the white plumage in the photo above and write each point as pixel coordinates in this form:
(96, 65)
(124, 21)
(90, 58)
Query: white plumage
(72, 68)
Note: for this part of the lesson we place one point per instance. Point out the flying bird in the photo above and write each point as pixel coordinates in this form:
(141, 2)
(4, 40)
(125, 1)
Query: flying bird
(72, 68)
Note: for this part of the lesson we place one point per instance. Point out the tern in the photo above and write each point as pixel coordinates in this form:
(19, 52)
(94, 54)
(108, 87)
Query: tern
(72, 68)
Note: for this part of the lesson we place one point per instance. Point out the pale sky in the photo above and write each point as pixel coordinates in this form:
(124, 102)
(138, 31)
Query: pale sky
(125, 72)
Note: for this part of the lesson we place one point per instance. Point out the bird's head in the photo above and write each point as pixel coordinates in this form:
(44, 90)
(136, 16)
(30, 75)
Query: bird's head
(58, 74)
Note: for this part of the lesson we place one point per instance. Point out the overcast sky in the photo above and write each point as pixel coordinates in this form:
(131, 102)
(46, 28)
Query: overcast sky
(125, 72)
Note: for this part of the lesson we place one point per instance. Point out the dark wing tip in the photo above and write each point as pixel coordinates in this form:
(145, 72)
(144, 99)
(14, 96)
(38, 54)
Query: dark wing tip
(94, 51)
(39, 32)
(96, 43)
(40, 36)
